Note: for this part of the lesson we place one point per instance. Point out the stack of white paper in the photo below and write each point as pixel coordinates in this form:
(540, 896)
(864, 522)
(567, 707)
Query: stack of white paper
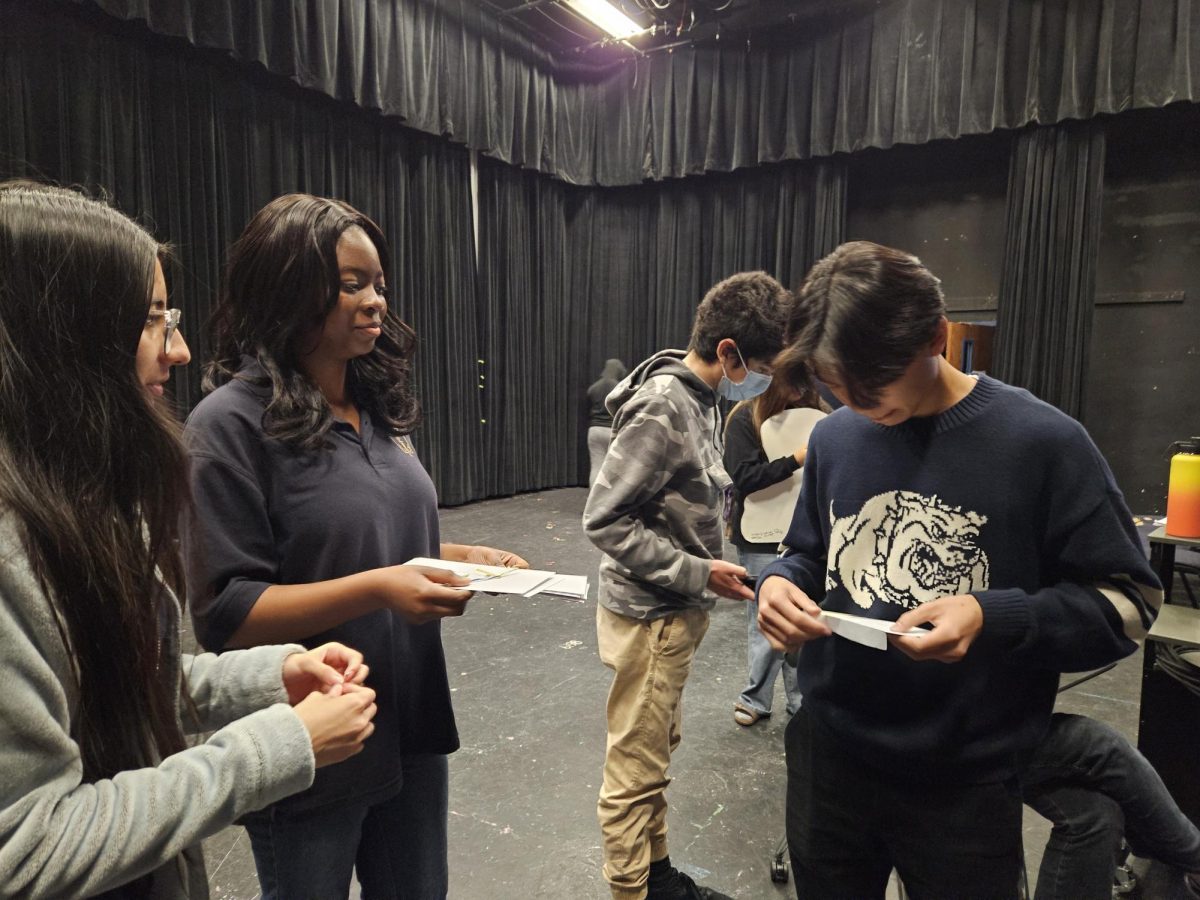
(500, 580)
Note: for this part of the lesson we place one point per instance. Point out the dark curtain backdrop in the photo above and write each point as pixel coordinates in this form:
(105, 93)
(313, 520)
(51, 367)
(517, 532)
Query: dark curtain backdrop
(192, 146)
(910, 72)
(571, 276)
(1048, 285)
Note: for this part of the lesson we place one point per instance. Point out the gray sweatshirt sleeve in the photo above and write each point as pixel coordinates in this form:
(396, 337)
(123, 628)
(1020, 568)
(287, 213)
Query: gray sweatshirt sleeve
(642, 459)
(60, 837)
(236, 683)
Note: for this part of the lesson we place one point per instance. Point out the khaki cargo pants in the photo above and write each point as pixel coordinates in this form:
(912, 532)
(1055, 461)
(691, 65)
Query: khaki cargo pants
(650, 659)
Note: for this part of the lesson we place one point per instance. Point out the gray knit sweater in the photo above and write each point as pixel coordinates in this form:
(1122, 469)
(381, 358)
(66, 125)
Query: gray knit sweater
(60, 837)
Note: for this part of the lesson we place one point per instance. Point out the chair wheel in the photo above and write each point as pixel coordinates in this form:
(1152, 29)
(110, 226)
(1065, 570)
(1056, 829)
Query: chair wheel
(779, 871)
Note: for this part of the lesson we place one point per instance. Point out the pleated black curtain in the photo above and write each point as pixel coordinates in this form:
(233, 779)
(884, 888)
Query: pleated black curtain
(192, 145)
(1047, 289)
(908, 72)
(570, 277)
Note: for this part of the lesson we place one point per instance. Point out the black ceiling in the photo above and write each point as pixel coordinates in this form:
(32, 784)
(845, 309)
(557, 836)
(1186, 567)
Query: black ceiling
(554, 27)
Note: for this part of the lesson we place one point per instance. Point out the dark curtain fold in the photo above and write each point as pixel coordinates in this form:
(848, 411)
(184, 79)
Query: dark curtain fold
(911, 71)
(1048, 281)
(192, 147)
(570, 277)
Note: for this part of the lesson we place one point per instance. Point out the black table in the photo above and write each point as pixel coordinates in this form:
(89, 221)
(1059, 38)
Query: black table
(1169, 717)
(1162, 555)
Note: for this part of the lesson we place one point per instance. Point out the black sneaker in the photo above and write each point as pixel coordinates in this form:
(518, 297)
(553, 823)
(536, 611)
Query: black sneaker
(668, 883)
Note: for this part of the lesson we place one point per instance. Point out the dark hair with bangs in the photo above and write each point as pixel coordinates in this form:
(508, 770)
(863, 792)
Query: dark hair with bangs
(281, 281)
(863, 314)
(91, 467)
(750, 308)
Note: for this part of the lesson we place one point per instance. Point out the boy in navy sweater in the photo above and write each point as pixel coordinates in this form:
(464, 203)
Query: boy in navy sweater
(933, 499)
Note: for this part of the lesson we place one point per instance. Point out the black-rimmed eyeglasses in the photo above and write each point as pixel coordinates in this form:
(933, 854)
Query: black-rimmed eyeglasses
(170, 319)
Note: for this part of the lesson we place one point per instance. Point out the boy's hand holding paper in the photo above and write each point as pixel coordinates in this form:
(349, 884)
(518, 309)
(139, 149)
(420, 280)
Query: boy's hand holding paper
(956, 623)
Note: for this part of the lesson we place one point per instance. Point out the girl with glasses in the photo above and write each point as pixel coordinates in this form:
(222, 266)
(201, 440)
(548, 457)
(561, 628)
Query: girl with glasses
(99, 790)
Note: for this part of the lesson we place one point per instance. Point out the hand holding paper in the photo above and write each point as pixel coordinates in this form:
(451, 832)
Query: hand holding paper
(420, 594)
(956, 623)
(524, 582)
(725, 580)
(787, 617)
(490, 556)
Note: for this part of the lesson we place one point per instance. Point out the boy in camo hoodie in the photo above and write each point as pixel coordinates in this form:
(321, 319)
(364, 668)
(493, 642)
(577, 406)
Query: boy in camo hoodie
(656, 512)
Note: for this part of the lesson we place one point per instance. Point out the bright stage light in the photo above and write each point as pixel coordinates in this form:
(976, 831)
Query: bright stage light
(606, 16)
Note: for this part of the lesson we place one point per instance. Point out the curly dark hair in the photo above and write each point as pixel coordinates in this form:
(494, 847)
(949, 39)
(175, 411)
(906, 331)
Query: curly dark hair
(280, 282)
(750, 308)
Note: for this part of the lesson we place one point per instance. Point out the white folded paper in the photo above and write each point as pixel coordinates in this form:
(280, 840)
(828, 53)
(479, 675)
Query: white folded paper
(863, 630)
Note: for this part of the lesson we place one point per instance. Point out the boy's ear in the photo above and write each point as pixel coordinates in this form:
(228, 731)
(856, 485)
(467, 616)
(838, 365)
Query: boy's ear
(937, 347)
(727, 353)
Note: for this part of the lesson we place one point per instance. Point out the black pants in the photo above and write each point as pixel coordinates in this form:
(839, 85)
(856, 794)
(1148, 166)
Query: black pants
(849, 825)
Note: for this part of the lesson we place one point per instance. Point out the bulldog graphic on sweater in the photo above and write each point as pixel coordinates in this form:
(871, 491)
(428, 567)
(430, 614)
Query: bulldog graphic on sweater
(907, 549)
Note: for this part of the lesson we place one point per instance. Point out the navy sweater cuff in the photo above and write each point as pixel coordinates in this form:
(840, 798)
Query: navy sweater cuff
(778, 567)
(1006, 617)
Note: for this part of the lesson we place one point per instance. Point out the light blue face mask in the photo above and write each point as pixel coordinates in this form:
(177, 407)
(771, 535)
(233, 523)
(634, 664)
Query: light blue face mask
(750, 387)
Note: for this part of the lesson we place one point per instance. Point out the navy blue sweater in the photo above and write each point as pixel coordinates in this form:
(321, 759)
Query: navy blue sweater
(1002, 497)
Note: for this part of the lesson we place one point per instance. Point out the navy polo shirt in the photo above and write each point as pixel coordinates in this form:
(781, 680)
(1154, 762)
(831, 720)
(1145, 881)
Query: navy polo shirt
(267, 514)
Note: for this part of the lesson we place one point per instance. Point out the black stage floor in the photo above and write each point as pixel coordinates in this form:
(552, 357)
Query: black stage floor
(529, 694)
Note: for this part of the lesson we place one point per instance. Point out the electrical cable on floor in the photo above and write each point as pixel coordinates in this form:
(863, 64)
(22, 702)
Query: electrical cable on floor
(1173, 660)
(1087, 677)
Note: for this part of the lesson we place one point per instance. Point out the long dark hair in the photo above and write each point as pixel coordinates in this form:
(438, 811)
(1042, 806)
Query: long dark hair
(91, 467)
(280, 282)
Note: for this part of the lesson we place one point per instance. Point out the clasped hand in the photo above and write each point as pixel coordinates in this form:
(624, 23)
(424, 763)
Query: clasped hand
(325, 685)
(325, 669)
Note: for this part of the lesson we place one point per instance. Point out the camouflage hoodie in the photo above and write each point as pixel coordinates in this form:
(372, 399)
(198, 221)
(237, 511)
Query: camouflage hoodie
(656, 507)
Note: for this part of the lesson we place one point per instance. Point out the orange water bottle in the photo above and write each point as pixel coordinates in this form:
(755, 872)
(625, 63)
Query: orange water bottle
(1183, 490)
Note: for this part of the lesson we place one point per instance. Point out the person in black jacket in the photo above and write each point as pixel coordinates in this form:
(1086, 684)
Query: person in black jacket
(748, 466)
(600, 420)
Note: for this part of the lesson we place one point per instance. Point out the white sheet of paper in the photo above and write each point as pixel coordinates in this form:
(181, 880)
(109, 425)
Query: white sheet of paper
(863, 630)
(462, 569)
(492, 579)
(572, 586)
(767, 514)
(466, 570)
